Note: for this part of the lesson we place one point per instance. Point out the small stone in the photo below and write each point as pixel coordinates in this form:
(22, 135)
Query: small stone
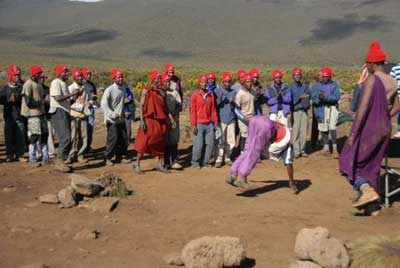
(9, 189)
(36, 265)
(48, 199)
(330, 253)
(304, 264)
(213, 252)
(86, 234)
(174, 259)
(84, 186)
(102, 204)
(306, 238)
(67, 198)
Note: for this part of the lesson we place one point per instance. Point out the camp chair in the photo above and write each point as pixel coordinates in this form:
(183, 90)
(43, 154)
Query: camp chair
(393, 152)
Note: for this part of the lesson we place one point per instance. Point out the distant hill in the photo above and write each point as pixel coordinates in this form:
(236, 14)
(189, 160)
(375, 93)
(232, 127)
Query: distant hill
(198, 32)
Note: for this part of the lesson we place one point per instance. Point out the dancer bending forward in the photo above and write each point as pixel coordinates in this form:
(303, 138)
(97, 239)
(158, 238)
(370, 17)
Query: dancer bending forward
(261, 133)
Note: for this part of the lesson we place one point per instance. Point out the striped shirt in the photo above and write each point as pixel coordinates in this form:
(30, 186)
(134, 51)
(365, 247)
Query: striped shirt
(395, 73)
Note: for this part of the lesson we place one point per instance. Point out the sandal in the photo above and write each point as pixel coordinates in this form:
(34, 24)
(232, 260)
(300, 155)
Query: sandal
(162, 169)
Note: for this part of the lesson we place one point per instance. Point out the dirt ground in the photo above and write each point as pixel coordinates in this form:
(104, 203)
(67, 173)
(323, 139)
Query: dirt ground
(166, 211)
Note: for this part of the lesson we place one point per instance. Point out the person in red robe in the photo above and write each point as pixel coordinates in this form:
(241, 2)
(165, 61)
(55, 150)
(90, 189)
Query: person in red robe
(151, 135)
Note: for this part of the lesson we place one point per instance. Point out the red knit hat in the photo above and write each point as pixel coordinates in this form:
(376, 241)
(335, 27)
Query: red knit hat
(375, 53)
(201, 77)
(247, 77)
(59, 70)
(11, 72)
(297, 70)
(85, 72)
(115, 72)
(34, 70)
(75, 72)
(211, 76)
(277, 73)
(226, 76)
(325, 72)
(254, 72)
(153, 76)
(168, 67)
(240, 73)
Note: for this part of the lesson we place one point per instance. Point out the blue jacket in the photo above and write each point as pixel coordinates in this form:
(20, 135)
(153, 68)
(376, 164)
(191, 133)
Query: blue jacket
(298, 89)
(271, 97)
(331, 99)
(225, 109)
(356, 98)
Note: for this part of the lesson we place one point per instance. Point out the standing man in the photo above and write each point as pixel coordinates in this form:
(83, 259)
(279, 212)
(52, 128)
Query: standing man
(225, 98)
(203, 117)
(279, 99)
(60, 104)
(80, 110)
(239, 80)
(90, 87)
(325, 96)
(301, 95)
(211, 82)
(368, 140)
(395, 73)
(257, 91)
(113, 107)
(245, 102)
(173, 103)
(14, 123)
(151, 135)
(33, 108)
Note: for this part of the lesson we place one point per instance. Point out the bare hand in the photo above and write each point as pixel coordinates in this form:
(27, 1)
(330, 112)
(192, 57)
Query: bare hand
(321, 95)
(173, 123)
(194, 130)
(143, 126)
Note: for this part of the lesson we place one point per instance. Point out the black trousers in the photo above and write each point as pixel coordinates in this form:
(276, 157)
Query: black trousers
(116, 140)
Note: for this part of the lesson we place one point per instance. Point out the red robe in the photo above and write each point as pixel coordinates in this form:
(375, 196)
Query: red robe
(153, 140)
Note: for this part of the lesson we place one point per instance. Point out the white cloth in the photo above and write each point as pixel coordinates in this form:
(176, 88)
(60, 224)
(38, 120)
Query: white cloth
(59, 88)
(330, 119)
(280, 118)
(277, 148)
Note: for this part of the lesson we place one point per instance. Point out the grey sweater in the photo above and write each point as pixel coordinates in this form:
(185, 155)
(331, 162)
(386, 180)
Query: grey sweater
(112, 104)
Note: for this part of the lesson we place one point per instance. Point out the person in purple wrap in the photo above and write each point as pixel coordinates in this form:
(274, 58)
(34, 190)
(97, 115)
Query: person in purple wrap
(278, 98)
(368, 140)
(262, 132)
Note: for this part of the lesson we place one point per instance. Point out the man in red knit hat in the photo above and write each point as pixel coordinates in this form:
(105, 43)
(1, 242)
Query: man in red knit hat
(368, 140)
(151, 135)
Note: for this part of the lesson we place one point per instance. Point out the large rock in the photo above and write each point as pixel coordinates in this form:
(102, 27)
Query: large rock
(174, 259)
(306, 238)
(67, 197)
(48, 199)
(213, 252)
(84, 186)
(102, 204)
(304, 264)
(330, 253)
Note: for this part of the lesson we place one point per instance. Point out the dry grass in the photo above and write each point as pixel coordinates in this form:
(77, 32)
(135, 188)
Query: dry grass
(376, 252)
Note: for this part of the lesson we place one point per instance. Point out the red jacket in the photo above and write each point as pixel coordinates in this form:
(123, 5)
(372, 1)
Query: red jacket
(203, 111)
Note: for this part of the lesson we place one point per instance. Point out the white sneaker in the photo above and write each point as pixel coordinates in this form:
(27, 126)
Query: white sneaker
(397, 135)
(176, 166)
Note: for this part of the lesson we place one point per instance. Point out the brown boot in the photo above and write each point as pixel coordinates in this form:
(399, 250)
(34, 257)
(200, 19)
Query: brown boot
(368, 195)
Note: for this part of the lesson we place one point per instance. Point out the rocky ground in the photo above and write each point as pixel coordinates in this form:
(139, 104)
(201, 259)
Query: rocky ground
(167, 211)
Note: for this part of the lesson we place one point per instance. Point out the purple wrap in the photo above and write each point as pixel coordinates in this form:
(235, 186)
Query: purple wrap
(371, 135)
(259, 135)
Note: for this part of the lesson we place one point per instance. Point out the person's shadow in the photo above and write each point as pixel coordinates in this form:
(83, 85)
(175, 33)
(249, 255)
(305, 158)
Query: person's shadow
(274, 185)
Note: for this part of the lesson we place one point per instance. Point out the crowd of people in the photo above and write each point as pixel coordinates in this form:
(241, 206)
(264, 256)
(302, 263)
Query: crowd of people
(228, 121)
